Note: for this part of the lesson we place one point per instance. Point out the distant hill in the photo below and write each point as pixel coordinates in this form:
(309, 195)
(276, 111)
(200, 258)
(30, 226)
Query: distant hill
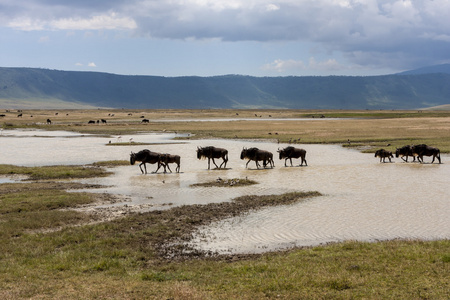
(43, 88)
(444, 68)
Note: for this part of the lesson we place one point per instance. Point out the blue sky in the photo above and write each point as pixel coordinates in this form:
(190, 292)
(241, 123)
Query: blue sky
(218, 37)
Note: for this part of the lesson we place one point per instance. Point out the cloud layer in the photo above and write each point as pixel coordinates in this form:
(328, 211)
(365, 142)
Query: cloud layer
(394, 33)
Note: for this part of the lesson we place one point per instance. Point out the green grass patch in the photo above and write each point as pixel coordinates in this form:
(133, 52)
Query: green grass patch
(54, 172)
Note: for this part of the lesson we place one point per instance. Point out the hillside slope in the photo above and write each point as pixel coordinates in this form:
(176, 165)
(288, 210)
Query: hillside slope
(42, 87)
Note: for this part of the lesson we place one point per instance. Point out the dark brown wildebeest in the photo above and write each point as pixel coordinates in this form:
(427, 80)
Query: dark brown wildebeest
(103, 121)
(167, 159)
(292, 152)
(405, 151)
(145, 121)
(421, 150)
(211, 152)
(49, 121)
(382, 154)
(91, 122)
(146, 156)
(257, 155)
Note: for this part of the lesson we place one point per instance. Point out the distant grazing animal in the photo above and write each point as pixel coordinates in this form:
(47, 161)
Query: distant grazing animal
(211, 152)
(167, 159)
(49, 121)
(405, 151)
(19, 115)
(91, 122)
(146, 156)
(382, 154)
(290, 153)
(145, 121)
(103, 121)
(257, 155)
(421, 150)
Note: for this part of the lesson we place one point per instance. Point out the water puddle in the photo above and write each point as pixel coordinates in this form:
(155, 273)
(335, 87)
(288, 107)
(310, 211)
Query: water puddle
(363, 199)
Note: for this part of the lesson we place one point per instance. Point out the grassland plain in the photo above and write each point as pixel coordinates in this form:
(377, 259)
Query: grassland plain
(367, 130)
(49, 250)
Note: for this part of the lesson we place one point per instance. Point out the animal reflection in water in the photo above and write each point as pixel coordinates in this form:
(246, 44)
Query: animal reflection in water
(167, 159)
(257, 155)
(146, 156)
(211, 152)
(292, 152)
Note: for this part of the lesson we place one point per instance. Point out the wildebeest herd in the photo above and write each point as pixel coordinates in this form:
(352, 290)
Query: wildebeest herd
(211, 153)
(266, 157)
(414, 151)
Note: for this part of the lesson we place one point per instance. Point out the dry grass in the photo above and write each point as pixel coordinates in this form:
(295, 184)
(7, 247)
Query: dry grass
(361, 128)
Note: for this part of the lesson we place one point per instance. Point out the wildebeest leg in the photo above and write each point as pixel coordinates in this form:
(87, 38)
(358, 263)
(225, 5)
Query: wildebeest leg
(140, 167)
(215, 163)
(224, 163)
(290, 158)
(405, 160)
(225, 159)
(177, 169)
(285, 162)
(159, 166)
(167, 165)
(247, 164)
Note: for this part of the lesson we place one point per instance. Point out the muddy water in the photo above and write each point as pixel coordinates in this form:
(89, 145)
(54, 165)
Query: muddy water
(363, 199)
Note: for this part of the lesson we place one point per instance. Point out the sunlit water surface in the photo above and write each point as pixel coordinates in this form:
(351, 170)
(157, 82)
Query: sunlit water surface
(363, 199)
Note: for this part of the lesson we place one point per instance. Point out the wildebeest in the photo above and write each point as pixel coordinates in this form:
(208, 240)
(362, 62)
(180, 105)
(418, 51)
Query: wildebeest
(167, 159)
(49, 121)
(382, 154)
(146, 156)
(257, 155)
(292, 152)
(405, 151)
(145, 121)
(421, 150)
(211, 152)
(91, 122)
(103, 121)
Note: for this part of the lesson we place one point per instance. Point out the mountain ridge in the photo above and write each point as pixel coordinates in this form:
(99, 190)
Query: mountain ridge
(45, 88)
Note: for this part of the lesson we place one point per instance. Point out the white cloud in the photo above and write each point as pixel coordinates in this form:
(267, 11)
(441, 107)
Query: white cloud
(92, 65)
(272, 7)
(99, 22)
(291, 65)
(410, 30)
(282, 66)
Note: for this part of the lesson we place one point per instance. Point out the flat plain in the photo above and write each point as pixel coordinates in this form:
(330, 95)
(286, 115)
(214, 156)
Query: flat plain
(49, 250)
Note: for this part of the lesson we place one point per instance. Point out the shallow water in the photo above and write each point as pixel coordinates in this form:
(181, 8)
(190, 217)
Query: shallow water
(363, 199)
